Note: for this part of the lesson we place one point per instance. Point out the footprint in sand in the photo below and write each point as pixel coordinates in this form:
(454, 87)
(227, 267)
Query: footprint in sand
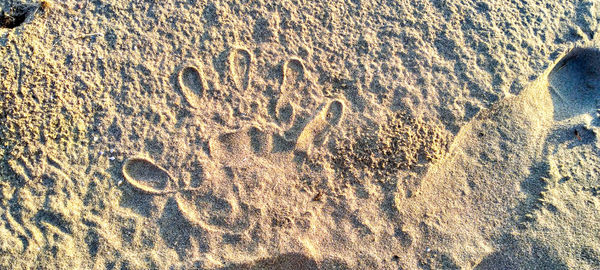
(240, 64)
(192, 84)
(199, 207)
(474, 193)
(293, 77)
(574, 84)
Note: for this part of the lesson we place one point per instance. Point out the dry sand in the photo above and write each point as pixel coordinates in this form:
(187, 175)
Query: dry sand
(299, 135)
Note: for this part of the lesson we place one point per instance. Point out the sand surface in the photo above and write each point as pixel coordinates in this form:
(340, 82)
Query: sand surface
(355, 134)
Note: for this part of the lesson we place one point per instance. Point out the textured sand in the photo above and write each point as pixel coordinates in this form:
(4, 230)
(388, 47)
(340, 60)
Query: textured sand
(299, 135)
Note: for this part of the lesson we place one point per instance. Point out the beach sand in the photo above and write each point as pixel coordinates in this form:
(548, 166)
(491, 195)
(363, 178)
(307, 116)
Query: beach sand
(299, 135)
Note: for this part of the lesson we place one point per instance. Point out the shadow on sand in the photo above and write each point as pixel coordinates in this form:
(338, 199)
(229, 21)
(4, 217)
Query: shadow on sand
(295, 261)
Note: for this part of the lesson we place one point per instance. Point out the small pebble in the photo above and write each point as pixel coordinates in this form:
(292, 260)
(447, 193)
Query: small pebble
(111, 158)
